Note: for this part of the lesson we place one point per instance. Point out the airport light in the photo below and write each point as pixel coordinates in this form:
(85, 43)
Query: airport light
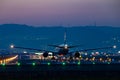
(80, 56)
(86, 54)
(119, 52)
(93, 62)
(108, 62)
(24, 51)
(18, 64)
(93, 58)
(78, 63)
(86, 59)
(101, 59)
(48, 63)
(33, 64)
(63, 63)
(3, 64)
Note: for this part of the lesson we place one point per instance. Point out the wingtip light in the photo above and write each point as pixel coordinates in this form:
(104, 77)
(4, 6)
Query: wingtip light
(11, 46)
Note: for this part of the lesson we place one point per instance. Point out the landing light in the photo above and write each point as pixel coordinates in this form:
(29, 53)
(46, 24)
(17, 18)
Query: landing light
(39, 53)
(66, 46)
(50, 53)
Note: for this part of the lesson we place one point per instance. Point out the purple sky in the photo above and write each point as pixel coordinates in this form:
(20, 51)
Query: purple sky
(60, 12)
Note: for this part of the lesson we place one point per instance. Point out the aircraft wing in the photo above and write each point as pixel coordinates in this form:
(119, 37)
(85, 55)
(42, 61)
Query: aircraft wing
(74, 46)
(54, 45)
(84, 50)
(63, 46)
(12, 46)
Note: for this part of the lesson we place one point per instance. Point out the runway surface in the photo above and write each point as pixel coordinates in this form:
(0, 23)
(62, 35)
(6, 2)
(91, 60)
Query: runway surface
(60, 72)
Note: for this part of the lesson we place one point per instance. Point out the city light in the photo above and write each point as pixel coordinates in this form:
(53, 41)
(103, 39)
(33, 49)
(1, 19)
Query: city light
(7, 60)
(101, 59)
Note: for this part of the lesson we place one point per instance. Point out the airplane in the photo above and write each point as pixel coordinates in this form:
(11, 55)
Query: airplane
(63, 49)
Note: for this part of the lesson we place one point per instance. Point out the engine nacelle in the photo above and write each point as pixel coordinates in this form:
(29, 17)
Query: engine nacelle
(45, 54)
(77, 54)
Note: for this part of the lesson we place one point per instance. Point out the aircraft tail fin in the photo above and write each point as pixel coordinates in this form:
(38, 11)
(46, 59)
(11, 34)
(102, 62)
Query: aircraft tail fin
(65, 38)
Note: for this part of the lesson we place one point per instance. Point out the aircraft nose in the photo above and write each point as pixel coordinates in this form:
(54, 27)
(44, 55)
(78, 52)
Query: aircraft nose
(66, 46)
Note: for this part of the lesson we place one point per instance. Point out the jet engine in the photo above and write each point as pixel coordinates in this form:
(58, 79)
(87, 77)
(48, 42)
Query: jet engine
(77, 54)
(45, 54)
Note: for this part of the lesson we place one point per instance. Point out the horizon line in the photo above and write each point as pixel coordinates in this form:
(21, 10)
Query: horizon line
(60, 25)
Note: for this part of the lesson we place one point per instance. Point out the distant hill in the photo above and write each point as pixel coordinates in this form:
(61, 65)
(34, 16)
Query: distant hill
(40, 37)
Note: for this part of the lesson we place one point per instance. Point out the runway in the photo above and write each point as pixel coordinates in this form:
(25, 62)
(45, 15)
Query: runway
(58, 72)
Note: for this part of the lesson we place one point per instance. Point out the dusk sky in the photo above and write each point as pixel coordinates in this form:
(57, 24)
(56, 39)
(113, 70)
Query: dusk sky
(60, 12)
